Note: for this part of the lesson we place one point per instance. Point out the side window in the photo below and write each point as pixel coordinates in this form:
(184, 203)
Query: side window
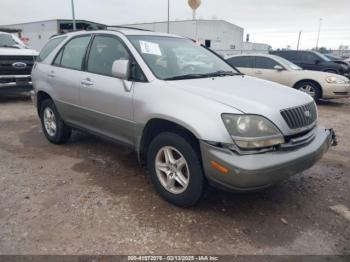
(308, 57)
(291, 56)
(265, 63)
(58, 58)
(73, 53)
(104, 51)
(49, 47)
(242, 61)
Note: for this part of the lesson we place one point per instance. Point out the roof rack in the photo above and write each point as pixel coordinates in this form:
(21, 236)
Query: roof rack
(129, 27)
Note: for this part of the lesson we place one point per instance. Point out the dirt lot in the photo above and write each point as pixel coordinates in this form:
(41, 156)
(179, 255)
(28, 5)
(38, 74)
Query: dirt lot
(92, 197)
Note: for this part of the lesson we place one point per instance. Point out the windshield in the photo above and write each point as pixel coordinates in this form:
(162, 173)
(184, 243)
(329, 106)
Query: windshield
(323, 57)
(8, 40)
(289, 64)
(171, 58)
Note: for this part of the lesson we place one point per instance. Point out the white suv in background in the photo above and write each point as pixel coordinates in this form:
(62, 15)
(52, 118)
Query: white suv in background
(16, 62)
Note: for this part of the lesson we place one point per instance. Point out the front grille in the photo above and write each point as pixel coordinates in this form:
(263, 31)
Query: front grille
(6, 63)
(301, 116)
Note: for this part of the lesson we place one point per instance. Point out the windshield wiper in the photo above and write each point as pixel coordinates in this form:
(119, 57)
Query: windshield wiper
(213, 74)
(223, 73)
(10, 46)
(188, 76)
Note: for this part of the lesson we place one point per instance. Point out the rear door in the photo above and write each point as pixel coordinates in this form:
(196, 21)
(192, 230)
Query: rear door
(106, 102)
(245, 64)
(64, 76)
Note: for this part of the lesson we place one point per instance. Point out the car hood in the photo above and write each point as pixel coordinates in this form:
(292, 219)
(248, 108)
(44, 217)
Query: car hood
(17, 52)
(246, 94)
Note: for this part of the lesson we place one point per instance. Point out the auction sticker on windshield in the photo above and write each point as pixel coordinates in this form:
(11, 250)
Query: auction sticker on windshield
(150, 48)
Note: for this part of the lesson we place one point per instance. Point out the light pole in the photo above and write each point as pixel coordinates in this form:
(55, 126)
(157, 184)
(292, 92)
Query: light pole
(299, 40)
(73, 15)
(168, 25)
(318, 34)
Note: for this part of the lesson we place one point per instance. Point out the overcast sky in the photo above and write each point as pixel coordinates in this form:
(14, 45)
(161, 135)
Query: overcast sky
(276, 22)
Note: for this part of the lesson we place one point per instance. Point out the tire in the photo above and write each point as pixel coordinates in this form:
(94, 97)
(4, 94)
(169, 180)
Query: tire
(181, 146)
(49, 116)
(312, 86)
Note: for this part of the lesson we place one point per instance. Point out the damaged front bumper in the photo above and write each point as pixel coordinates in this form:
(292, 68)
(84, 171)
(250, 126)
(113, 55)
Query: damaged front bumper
(257, 171)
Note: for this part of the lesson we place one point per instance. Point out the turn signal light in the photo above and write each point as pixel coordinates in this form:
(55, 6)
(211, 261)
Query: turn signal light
(219, 167)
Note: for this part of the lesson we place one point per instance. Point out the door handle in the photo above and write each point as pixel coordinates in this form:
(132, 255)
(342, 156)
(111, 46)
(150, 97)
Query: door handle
(86, 82)
(52, 74)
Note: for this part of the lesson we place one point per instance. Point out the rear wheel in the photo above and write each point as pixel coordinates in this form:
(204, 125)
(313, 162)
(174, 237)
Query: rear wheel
(175, 169)
(55, 130)
(311, 89)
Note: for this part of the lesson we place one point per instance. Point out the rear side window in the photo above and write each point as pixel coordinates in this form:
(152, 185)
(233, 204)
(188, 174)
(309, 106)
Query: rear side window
(242, 61)
(308, 57)
(72, 55)
(291, 56)
(265, 63)
(104, 51)
(49, 47)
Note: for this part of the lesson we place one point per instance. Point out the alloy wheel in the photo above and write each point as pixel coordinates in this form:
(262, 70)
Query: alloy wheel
(50, 121)
(172, 170)
(308, 89)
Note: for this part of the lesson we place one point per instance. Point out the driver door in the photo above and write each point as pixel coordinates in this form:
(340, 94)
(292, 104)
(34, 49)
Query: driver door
(107, 103)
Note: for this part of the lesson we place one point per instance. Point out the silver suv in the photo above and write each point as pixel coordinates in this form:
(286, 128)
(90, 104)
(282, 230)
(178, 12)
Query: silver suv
(192, 118)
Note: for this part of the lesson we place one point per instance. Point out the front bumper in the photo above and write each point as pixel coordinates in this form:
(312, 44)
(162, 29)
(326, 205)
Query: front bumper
(331, 91)
(256, 171)
(15, 83)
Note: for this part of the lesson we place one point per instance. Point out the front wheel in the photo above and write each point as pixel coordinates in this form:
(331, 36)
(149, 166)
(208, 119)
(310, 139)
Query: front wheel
(175, 169)
(311, 89)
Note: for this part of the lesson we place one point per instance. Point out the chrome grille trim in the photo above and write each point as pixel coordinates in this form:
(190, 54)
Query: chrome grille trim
(301, 116)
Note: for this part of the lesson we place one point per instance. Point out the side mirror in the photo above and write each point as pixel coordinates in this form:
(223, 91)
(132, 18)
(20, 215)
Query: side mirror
(278, 68)
(121, 69)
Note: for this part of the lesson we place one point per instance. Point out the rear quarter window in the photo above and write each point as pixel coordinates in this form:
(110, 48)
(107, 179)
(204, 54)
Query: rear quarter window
(49, 47)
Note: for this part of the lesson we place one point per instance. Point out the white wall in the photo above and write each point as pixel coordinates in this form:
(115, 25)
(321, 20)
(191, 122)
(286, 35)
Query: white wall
(223, 35)
(37, 32)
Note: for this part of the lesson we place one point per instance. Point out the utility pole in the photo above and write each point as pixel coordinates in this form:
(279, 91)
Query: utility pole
(168, 17)
(318, 34)
(73, 15)
(299, 40)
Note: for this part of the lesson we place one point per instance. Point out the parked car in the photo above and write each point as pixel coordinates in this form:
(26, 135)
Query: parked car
(311, 60)
(190, 125)
(16, 62)
(338, 60)
(277, 69)
(347, 60)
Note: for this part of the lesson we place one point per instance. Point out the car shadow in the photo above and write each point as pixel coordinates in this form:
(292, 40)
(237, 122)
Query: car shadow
(333, 103)
(10, 98)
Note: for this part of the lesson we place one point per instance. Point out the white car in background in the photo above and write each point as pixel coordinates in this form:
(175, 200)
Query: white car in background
(277, 69)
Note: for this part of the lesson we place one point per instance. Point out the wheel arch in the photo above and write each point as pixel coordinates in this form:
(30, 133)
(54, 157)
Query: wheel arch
(40, 97)
(156, 126)
(309, 80)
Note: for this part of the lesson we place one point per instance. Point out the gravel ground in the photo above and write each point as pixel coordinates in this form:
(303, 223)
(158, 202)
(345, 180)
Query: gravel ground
(92, 197)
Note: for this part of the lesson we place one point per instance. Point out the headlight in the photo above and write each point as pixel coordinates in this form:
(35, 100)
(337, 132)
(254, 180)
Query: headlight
(252, 131)
(335, 80)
